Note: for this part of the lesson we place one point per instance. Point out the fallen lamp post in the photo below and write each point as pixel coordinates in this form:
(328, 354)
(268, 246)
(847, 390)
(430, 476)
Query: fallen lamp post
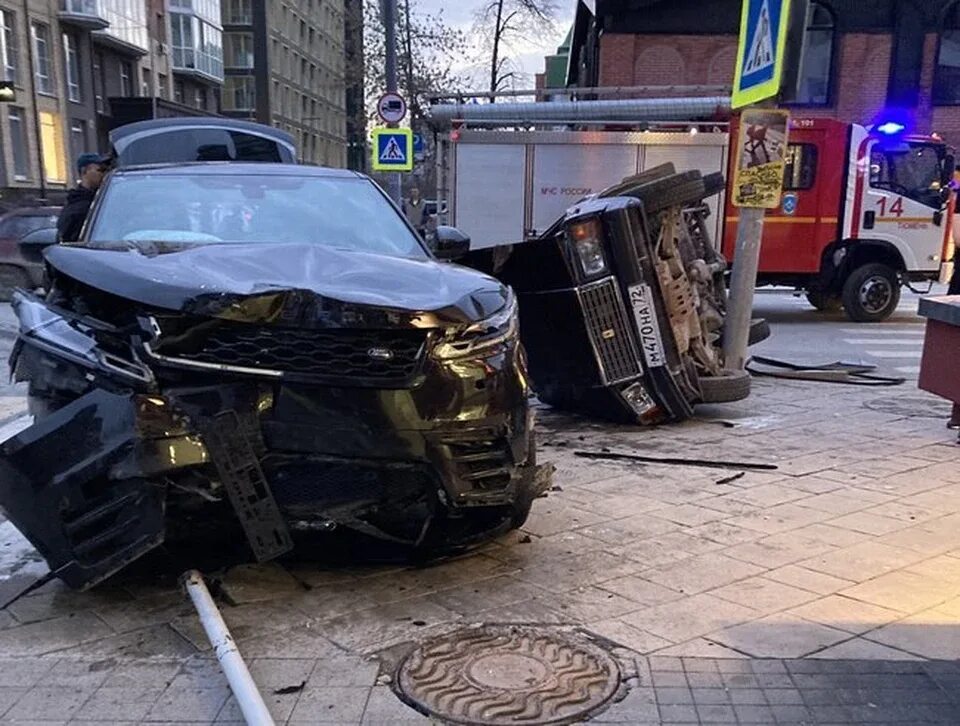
(249, 700)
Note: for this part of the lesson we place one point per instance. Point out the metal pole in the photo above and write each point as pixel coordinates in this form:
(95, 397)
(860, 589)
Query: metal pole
(32, 71)
(743, 280)
(251, 704)
(389, 10)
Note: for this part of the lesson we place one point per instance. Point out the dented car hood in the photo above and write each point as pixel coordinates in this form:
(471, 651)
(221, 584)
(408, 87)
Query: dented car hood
(209, 279)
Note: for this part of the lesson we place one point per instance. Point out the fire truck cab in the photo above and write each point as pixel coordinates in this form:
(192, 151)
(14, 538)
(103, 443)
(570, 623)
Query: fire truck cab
(863, 212)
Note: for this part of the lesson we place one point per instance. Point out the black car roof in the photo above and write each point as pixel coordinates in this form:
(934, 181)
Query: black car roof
(233, 168)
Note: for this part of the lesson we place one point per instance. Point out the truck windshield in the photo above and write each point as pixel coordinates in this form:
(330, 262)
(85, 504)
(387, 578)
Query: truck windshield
(912, 169)
(209, 208)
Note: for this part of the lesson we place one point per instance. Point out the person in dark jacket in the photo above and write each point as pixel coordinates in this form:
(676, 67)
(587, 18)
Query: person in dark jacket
(90, 168)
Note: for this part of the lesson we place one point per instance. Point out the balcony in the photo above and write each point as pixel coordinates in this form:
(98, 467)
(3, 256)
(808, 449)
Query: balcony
(86, 14)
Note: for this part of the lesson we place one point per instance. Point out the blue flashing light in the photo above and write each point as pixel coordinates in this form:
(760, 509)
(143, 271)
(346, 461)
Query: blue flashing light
(891, 128)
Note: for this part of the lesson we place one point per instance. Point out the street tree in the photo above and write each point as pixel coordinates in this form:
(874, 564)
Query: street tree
(428, 54)
(502, 24)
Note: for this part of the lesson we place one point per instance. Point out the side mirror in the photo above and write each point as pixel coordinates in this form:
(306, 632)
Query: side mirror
(449, 243)
(43, 237)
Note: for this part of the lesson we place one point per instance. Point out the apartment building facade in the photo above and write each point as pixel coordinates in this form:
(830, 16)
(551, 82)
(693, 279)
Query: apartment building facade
(81, 67)
(72, 62)
(285, 65)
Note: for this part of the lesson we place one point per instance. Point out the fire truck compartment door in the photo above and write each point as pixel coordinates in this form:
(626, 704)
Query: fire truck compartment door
(489, 193)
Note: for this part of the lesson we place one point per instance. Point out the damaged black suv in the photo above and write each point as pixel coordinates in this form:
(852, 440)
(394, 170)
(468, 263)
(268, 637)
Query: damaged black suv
(268, 344)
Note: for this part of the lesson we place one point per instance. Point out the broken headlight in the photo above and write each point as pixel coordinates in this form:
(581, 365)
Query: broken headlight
(587, 238)
(483, 336)
(638, 398)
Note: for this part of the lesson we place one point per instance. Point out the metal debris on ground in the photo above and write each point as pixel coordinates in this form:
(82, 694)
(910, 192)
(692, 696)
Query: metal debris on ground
(675, 461)
(851, 374)
(731, 479)
(508, 675)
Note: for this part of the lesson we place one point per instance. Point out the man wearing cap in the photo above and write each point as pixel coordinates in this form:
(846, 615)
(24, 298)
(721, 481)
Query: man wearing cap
(90, 168)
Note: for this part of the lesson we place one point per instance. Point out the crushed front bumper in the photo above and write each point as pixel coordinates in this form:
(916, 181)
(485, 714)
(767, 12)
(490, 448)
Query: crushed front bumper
(96, 483)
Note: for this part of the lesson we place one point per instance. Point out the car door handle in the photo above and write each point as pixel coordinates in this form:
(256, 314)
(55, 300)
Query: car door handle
(869, 219)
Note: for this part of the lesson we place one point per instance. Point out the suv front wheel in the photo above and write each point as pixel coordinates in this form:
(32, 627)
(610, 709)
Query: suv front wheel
(871, 293)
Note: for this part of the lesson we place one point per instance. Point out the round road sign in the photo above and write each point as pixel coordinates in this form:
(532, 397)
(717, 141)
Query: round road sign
(392, 108)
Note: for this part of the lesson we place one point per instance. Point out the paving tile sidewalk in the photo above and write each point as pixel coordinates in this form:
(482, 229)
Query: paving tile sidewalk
(807, 594)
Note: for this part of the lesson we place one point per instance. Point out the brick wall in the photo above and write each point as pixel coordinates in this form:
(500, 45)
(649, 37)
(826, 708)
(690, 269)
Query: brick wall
(660, 60)
(863, 73)
(862, 70)
(616, 60)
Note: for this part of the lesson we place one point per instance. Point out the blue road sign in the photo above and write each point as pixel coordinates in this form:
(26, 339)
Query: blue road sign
(790, 204)
(418, 144)
(763, 37)
(392, 150)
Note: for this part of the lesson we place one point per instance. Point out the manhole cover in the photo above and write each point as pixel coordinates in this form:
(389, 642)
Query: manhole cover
(911, 406)
(508, 675)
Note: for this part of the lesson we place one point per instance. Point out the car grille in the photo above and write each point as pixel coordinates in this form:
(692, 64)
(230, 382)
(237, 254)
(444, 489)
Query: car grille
(606, 322)
(362, 357)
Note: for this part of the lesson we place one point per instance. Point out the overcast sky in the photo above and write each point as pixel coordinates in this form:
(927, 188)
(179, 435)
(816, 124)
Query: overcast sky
(529, 56)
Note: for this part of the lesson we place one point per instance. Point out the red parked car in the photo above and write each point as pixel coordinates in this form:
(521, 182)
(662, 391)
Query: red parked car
(24, 233)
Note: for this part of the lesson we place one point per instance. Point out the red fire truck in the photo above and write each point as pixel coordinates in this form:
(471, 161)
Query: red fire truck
(862, 212)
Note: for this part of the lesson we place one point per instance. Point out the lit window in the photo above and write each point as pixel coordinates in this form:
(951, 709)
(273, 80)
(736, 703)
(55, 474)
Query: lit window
(51, 147)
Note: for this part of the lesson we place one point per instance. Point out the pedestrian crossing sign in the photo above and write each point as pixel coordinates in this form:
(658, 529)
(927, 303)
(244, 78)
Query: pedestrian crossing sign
(763, 38)
(392, 150)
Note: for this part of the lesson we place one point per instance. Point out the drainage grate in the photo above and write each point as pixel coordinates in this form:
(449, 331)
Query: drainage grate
(508, 675)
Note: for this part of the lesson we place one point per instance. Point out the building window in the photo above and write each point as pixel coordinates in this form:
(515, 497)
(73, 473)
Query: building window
(99, 82)
(51, 147)
(126, 84)
(946, 85)
(128, 22)
(8, 45)
(18, 136)
(197, 45)
(237, 12)
(200, 97)
(239, 93)
(41, 58)
(816, 58)
(238, 50)
(71, 64)
(162, 83)
(801, 167)
(178, 91)
(78, 137)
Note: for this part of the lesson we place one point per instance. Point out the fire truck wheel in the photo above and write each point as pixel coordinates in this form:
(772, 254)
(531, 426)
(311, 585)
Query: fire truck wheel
(824, 302)
(871, 293)
(731, 386)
